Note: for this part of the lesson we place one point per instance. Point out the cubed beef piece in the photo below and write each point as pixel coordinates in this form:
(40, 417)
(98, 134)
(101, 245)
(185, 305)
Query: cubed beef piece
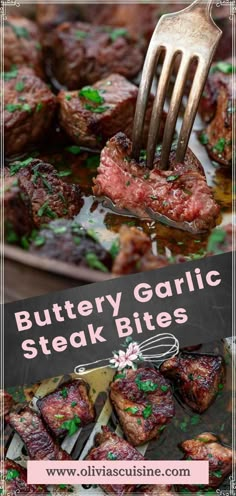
(44, 194)
(69, 242)
(157, 490)
(17, 211)
(68, 403)
(95, 113)
(135, 254)
(38, 442)
(7, 400)
(109, 446)
(143, 402)
(217, 108)
(16, 480)
(22, 44)
(82, 54)
(207, 447)
(197, 378)
(29, 107)
(178, 196)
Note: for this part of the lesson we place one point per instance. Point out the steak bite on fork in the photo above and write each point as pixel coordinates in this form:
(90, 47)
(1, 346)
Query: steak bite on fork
(197, 378)
(143, 402)
(67, 404)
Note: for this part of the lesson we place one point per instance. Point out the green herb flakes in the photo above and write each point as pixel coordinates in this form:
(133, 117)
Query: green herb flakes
(68, 97)
(12, 74)
(131, 409)
(225, 67)
(12, 107)
(74, 149)
(16, 166)
(47, 211)
(115, 248)
(19, 86)
(147, 411)
(20, 31)
(39, 106)
(94, 263)
(220, 145)
(64, 173)
(117, 33)
(111, 456)
(203, 138)
(81, 35)
(73, 404)
(92, 162)
(91, 94)
(97, 110)
(72, 425)
(146, 386)
(58, 416)
(217, 473)
(12, 474)
(172, 178)
(64, 393)
(39, 241)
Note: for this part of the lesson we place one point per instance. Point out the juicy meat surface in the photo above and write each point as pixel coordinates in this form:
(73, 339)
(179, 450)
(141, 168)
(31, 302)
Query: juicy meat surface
(69, 401)
(17, 221)
(157, 490)
(38, 442)
(7, 402)
(22, 44)
(135, 254)
(44, 193)
(29, 107)
(16, 480)
(197, 378)
(143, 402)
(217, 108)
(109, 446)
(206, 446)
(82, 54)
(69, 242)
(96, 113)
(179, 195)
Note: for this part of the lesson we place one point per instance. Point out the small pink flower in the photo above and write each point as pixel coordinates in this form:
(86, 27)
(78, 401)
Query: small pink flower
(127, 358)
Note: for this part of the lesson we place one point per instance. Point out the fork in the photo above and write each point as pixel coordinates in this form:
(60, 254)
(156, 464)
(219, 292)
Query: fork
(192, 34)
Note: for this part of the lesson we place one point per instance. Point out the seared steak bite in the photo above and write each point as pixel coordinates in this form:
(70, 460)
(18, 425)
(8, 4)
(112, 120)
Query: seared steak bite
(16, 480)
(45, 195)
(22, 44)
(109, 446)
(95, 113)
(157, 490)
(29, 108)
(68, 403)
(17, 221)
(217, 107)
(197, 378)
(82, 54)
(206, 446)
(38, 442)
(143, 402)
(7, 402)
(135, 254)
(179, 195)
(69, 242)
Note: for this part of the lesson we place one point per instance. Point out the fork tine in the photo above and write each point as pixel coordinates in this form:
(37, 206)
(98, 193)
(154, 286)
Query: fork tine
(173, 111)
(191, 108)
(143, 95)
(158, 106)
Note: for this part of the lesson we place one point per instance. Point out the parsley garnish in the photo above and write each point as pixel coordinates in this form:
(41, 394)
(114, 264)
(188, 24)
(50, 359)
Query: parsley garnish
(73, 149)
(111, 456)
(146, 386)
(97, 110)
(12, 474)
(220, 145)
(217, 237)
(91, 94)
(93, 161)
(64, 393)
(12, 74)
(58, 416)
(115, 248)
(94, 263)
(147, 411)
(16, 166)
(131, 409)
(12, 107)
(81, 35)
(203, 138)
(64, 173)
(39, 106)
(224, 67)
(20, 31)
(72, 425)
(46, 210)
(73, 404)
(117, 33)
(217, 473)
(172, 178)
(19, 86)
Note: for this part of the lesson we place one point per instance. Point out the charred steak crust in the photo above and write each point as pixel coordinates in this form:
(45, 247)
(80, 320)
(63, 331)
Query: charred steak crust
(22, 44)
(7, 402)
(91, 123)
(44, 192)
(29, 107)
(143, 402)
(207, 446)
(135, 254)
(82, 54)
(67, 401)
(109, 446)
(38, 442)
(68, 241)
(17, 211)
(16, 480)
(197, 378)
(180, 195)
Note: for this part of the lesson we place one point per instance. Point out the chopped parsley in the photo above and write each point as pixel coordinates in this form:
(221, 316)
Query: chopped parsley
(64, 393)
(147, 411)
(164, 388)
(72, 425)
(12, 107)
(64, 173)
(119, 376)
(225, 67)
(19, 86)
(117, 33)
(12, 474)
(131, 409)
(20, 31)
(94, 263)
(92, 162)
(12, 74)
(68, 97)
(58, 416)
(195, 420)
(97, 110)
(59, 229)
(172, 178)
(217, 473)
(220, 145)
(111, 456)
(74, 149)
(39, 106)
(216, 238)
(153, 197)
(47, 211)
(146, 386)
(39, 241)
(73, 404)
(190, 377)
(91, 94)
(115, 248)
(203, 138)
(81, 35)
(16, 166)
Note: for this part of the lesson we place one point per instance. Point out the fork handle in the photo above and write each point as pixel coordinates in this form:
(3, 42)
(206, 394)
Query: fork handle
(205, 7)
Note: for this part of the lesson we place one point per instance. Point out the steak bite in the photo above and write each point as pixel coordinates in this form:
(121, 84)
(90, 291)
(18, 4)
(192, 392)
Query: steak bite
(17, 221)
(179, 196)
(143, 402)
(44, 194)
(16, 480)
(206, 446)
(22, 44)
(157, 490)
(38, 442)
(135, 254)
(7, 402)
(69, 242)
(68, 402)
(95, 113)
(109, 446)
(217, 108)
(83, 54)
(29, 108)
(196, 377)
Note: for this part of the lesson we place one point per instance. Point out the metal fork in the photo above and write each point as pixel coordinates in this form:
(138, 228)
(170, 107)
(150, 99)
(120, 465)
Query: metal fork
(192, 34)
